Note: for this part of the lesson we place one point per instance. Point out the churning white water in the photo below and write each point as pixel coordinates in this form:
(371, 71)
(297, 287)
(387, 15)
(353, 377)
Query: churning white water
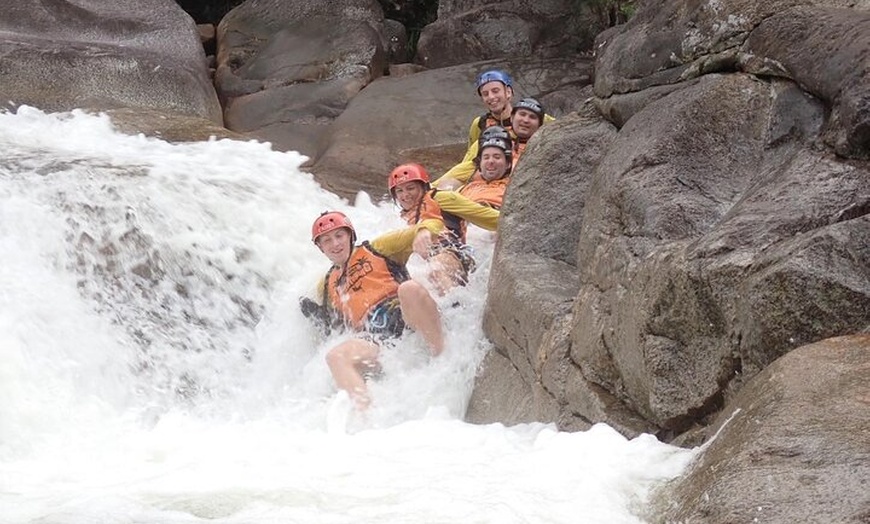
(155, 368)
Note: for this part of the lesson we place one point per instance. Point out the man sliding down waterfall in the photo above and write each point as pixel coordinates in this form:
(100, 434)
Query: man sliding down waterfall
(368, 290)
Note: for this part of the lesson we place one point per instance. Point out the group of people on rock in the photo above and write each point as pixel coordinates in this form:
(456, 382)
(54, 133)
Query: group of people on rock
(368, 289)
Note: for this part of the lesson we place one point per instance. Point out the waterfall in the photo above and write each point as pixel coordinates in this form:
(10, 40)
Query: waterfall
(154, 365)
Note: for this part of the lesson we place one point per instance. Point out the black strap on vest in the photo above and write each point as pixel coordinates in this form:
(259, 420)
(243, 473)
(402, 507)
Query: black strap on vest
(487, 120)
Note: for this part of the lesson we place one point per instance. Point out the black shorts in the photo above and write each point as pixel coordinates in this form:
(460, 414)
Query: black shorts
(385, 320)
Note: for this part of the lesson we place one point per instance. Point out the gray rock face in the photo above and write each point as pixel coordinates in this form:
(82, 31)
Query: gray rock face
(819, 48)
(285, 71)
(61, 55)
(668, 41)
(718, 230)
(793, 446)
(471, 31)
(535, 281)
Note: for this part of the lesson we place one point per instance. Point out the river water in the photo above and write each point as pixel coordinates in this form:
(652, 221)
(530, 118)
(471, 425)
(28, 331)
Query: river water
(154, 366)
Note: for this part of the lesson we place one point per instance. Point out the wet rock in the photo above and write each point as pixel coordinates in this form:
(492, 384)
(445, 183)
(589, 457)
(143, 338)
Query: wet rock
(793, 446)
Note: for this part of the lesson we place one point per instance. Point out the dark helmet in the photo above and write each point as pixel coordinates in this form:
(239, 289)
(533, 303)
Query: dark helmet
(330, 220)
(493, 76)
(495, 131)
(532, 105)
(505, 144)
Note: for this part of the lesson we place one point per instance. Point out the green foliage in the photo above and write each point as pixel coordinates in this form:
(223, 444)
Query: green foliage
(413, 14)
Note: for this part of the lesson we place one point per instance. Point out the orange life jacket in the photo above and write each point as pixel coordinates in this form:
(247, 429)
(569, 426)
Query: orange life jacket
(426, 209)
(367, 279)
(487, 120)
(483, 192)
(518, 150)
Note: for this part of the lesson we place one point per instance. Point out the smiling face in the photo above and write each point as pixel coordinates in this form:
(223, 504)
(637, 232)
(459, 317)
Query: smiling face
(496, 96)
(524, 123)
(409, 194)
(493, 163)
(336, 245)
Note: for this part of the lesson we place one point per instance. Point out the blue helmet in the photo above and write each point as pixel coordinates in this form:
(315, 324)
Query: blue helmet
(493, 76)
(532, 105)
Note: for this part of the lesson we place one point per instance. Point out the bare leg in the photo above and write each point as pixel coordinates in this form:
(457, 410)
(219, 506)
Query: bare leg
(421, 313)
(347, 361)
(446, 272)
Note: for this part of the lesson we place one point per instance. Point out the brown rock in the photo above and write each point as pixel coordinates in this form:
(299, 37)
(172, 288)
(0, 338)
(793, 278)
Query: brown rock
(819, 48)
(793, 446)
(471, 31)
(59, 56)
(286, 70)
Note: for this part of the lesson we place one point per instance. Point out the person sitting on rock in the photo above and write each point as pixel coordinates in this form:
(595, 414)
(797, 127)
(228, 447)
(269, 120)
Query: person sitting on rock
(485, 190)
(495, 89)
(527, 116)
(494, 162)
(368, 290)
(450, 260)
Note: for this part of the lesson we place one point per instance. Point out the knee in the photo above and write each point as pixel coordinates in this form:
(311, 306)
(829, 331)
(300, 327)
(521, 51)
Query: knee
(411, 290)
(337, 357)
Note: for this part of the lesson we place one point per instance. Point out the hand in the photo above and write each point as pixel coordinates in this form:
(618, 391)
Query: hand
(310, 308)
(422, 242)
(317, 313)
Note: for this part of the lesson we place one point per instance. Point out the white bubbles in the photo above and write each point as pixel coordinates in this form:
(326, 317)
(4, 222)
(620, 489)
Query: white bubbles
(155, 367)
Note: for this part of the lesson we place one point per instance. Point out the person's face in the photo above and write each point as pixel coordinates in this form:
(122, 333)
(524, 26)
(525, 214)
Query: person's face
(408, 194)
(524, 123)
(495, 96)
(493, 163)
(336, 245)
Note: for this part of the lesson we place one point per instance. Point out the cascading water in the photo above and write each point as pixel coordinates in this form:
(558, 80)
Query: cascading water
(155, 368)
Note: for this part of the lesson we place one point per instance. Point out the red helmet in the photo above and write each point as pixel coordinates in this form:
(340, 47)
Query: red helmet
(406, 173)
(329, 220)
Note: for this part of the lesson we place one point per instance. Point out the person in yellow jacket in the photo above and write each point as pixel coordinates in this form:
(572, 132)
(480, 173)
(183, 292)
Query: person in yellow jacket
(488, 184)
(368, 290)
(527, 116)
(480, 199)
(495, 89)
(450, 260)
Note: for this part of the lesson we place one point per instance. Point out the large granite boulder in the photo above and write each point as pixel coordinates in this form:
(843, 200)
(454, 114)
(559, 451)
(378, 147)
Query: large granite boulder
(474, 30)
(716, 243)
(531, 294)
(60, 55)
(793, 446)
(286, 70)
(424, 117)
(819, 48)
(669, 41)
(720, 229)
(816, 43)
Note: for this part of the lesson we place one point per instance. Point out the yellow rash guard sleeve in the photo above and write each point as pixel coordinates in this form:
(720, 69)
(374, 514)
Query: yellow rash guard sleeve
(398, 245)
(467, 209)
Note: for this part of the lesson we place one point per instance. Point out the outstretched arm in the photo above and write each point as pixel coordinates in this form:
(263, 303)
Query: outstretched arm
(478, 214)
(398, 245)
